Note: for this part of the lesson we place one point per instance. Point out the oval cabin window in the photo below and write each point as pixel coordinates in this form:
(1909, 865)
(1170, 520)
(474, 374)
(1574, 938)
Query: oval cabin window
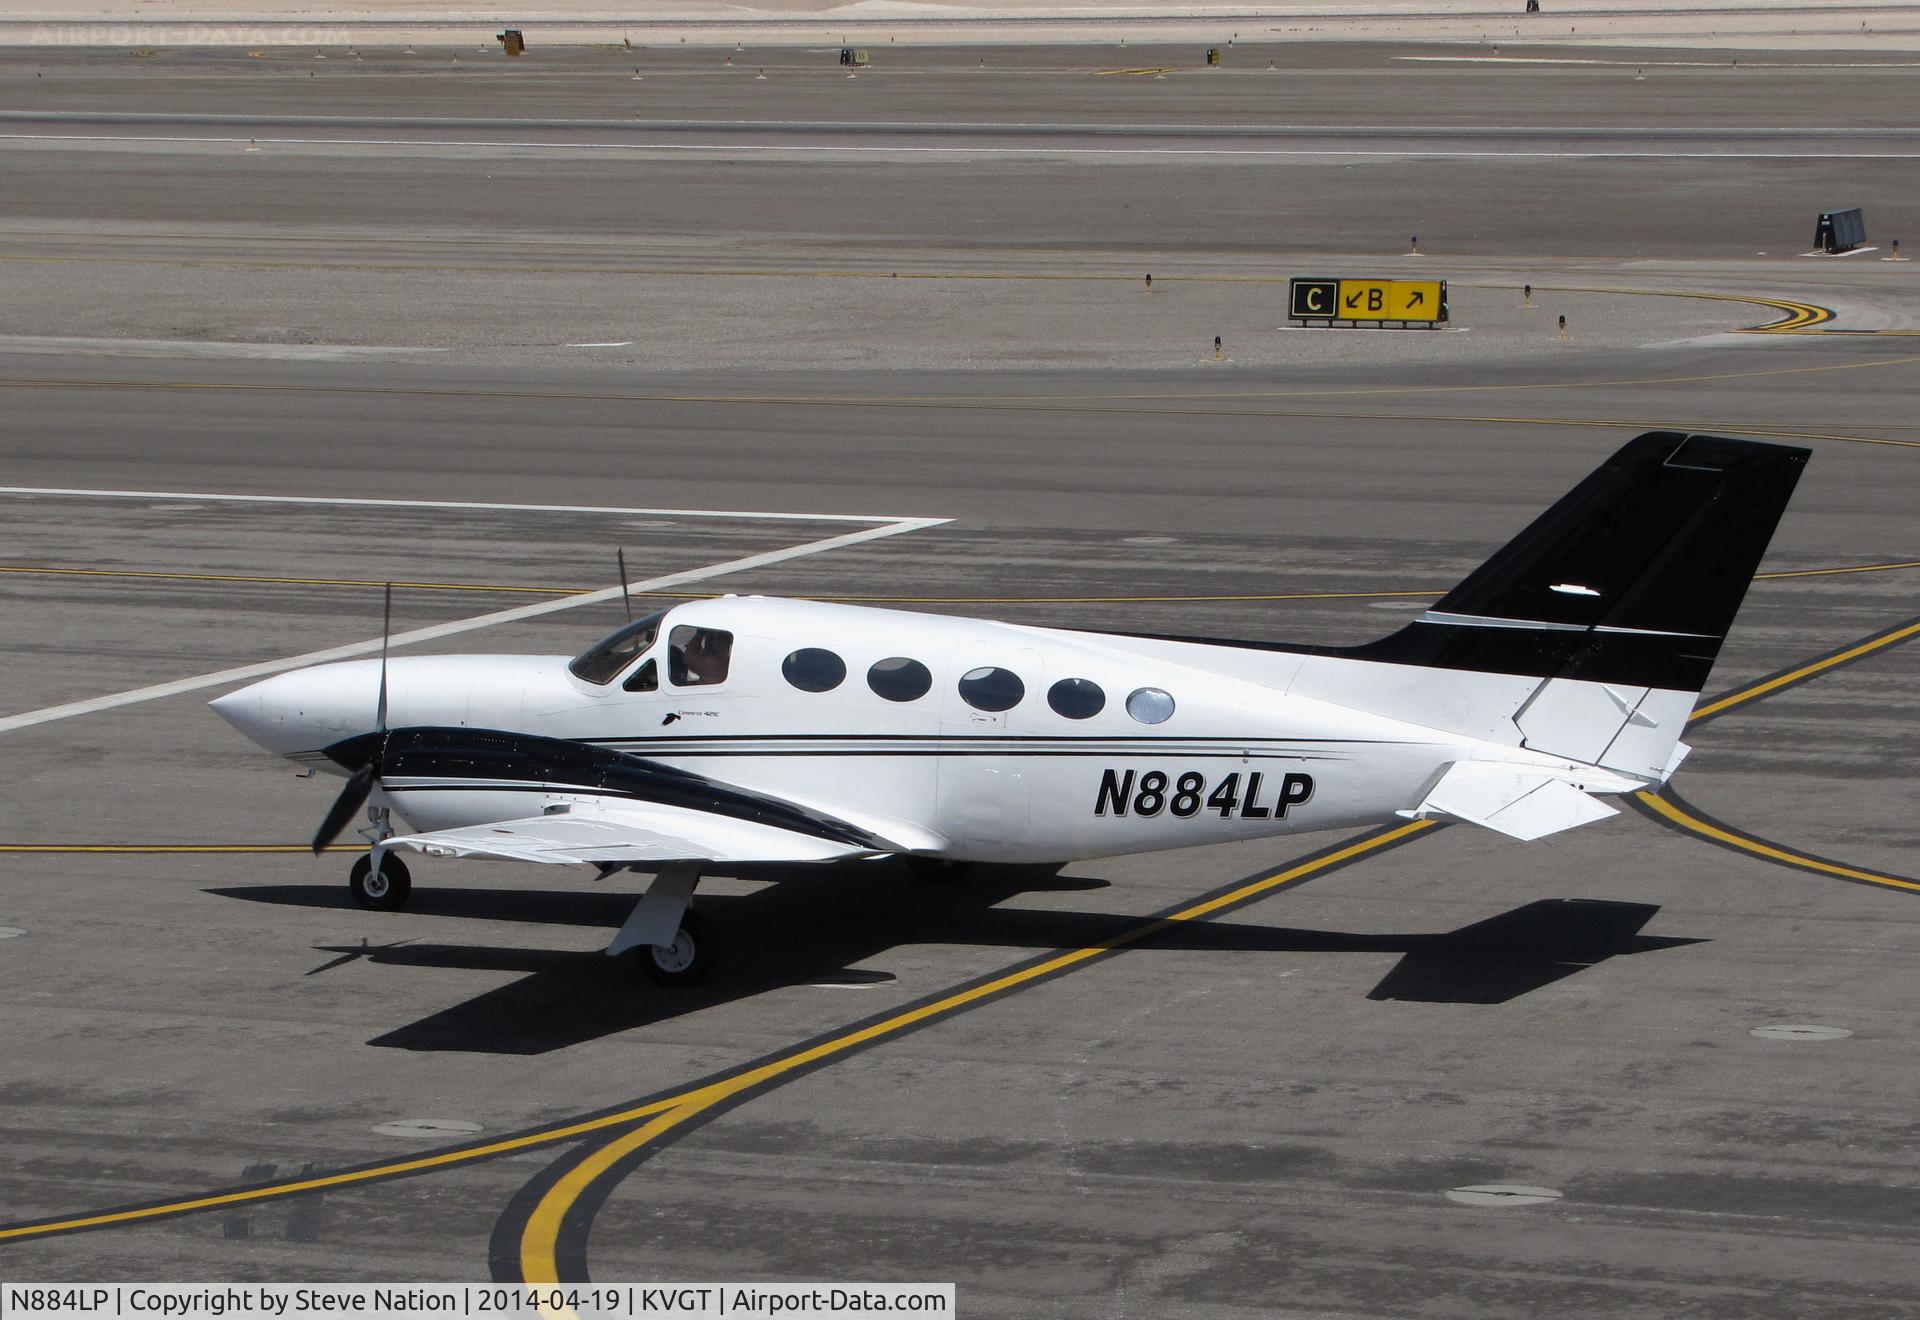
(900, 679)
(812, 669)
(1076, 698)
(990, 688)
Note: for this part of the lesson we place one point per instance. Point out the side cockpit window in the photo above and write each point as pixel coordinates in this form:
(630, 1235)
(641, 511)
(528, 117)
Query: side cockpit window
(698, 657)
(603, 661)
(645, 679)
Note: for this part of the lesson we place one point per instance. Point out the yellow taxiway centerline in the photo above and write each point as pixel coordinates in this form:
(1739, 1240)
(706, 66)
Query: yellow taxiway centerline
(1773, 852)
(1754, 691)
(539, 1246)
(688, 1103)
(540, 1238)
(541, 1234)
(323, 1182)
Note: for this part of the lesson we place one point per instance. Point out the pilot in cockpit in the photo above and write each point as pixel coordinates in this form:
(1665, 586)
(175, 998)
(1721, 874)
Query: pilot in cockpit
(700, 656)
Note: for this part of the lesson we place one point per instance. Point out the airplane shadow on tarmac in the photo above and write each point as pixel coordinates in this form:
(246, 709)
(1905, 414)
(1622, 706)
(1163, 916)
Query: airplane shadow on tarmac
(813, 926)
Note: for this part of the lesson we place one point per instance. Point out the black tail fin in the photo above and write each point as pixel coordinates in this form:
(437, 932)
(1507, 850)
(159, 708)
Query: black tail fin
(1633, 577)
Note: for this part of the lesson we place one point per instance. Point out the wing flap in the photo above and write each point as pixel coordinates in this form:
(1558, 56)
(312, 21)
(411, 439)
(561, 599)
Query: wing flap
(1518, 801)
(631, 832)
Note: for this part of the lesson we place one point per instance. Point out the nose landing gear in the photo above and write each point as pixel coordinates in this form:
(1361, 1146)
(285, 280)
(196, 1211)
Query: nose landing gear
(383, 891)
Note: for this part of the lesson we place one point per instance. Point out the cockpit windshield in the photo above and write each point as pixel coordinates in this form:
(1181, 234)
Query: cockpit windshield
(603, 661)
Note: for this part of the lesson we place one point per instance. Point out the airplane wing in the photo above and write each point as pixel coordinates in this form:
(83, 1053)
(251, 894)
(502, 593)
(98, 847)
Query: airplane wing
(1519, 801)
(630, 832)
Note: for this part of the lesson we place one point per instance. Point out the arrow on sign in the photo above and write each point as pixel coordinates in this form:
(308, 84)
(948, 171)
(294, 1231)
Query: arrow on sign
(1353, 300)
(1418, 298)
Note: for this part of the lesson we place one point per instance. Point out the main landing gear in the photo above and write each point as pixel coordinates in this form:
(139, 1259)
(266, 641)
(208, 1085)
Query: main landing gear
(673, 944)
(382, 891)
(668, 941)
(687, 959)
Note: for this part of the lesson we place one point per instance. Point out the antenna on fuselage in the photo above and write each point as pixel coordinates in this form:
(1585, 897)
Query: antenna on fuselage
(386, 631)
(620, 554)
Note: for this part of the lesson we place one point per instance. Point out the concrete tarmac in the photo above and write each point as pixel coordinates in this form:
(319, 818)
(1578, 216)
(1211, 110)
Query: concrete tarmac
(1262, 1114)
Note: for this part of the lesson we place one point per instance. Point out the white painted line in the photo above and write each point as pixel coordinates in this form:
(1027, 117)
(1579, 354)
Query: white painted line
(1850, 252)
(723, 147)
(243, 673)
(609, 343)
(341, 501)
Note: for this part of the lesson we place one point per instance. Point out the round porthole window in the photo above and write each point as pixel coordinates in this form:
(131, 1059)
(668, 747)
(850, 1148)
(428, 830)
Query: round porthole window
(812, 669)
(1076, 698)
(1150, 705)
(989, 688)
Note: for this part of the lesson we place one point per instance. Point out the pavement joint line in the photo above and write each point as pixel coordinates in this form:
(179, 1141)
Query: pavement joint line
(248, 579)
(249, 263)
(1002, 403)
(513, 245)
(458, 506)
(433, 632)
(974, 150)
(642, 1110)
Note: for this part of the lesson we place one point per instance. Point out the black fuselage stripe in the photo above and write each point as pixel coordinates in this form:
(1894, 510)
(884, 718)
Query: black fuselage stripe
(1162, 753)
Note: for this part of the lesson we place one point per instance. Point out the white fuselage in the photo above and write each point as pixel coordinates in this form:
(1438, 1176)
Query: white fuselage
(936, 775)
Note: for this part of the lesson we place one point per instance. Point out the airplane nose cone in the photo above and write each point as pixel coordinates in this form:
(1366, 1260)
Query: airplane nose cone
(241, 708)
(298, 714)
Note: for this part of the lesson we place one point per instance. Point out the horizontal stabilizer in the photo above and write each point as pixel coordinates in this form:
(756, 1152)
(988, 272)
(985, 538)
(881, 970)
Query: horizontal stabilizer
(1518, 801)
(630, 834)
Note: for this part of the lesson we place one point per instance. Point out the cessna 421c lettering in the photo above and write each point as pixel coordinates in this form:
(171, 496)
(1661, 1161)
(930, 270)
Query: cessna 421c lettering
(753, 730)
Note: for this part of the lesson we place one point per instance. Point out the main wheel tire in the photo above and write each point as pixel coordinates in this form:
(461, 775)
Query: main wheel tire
(385, 892)
(938, 869)
(688, 959)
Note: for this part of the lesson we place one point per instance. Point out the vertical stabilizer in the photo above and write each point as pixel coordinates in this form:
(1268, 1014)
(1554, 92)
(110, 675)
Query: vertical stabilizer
(1589, 635)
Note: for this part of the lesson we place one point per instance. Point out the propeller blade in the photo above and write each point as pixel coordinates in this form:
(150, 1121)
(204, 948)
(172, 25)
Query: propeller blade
(620, 553)
(345, 807)
(386, 631)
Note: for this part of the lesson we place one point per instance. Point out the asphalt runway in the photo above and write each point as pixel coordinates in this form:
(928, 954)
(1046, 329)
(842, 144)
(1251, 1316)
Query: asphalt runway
(1259, 1109)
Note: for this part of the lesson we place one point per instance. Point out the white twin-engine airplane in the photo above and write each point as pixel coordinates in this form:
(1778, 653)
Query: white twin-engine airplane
(751, 730)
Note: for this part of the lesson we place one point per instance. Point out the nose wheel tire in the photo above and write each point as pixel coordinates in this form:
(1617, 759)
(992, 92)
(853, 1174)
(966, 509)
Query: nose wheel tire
(685, 961)
(385, 892)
